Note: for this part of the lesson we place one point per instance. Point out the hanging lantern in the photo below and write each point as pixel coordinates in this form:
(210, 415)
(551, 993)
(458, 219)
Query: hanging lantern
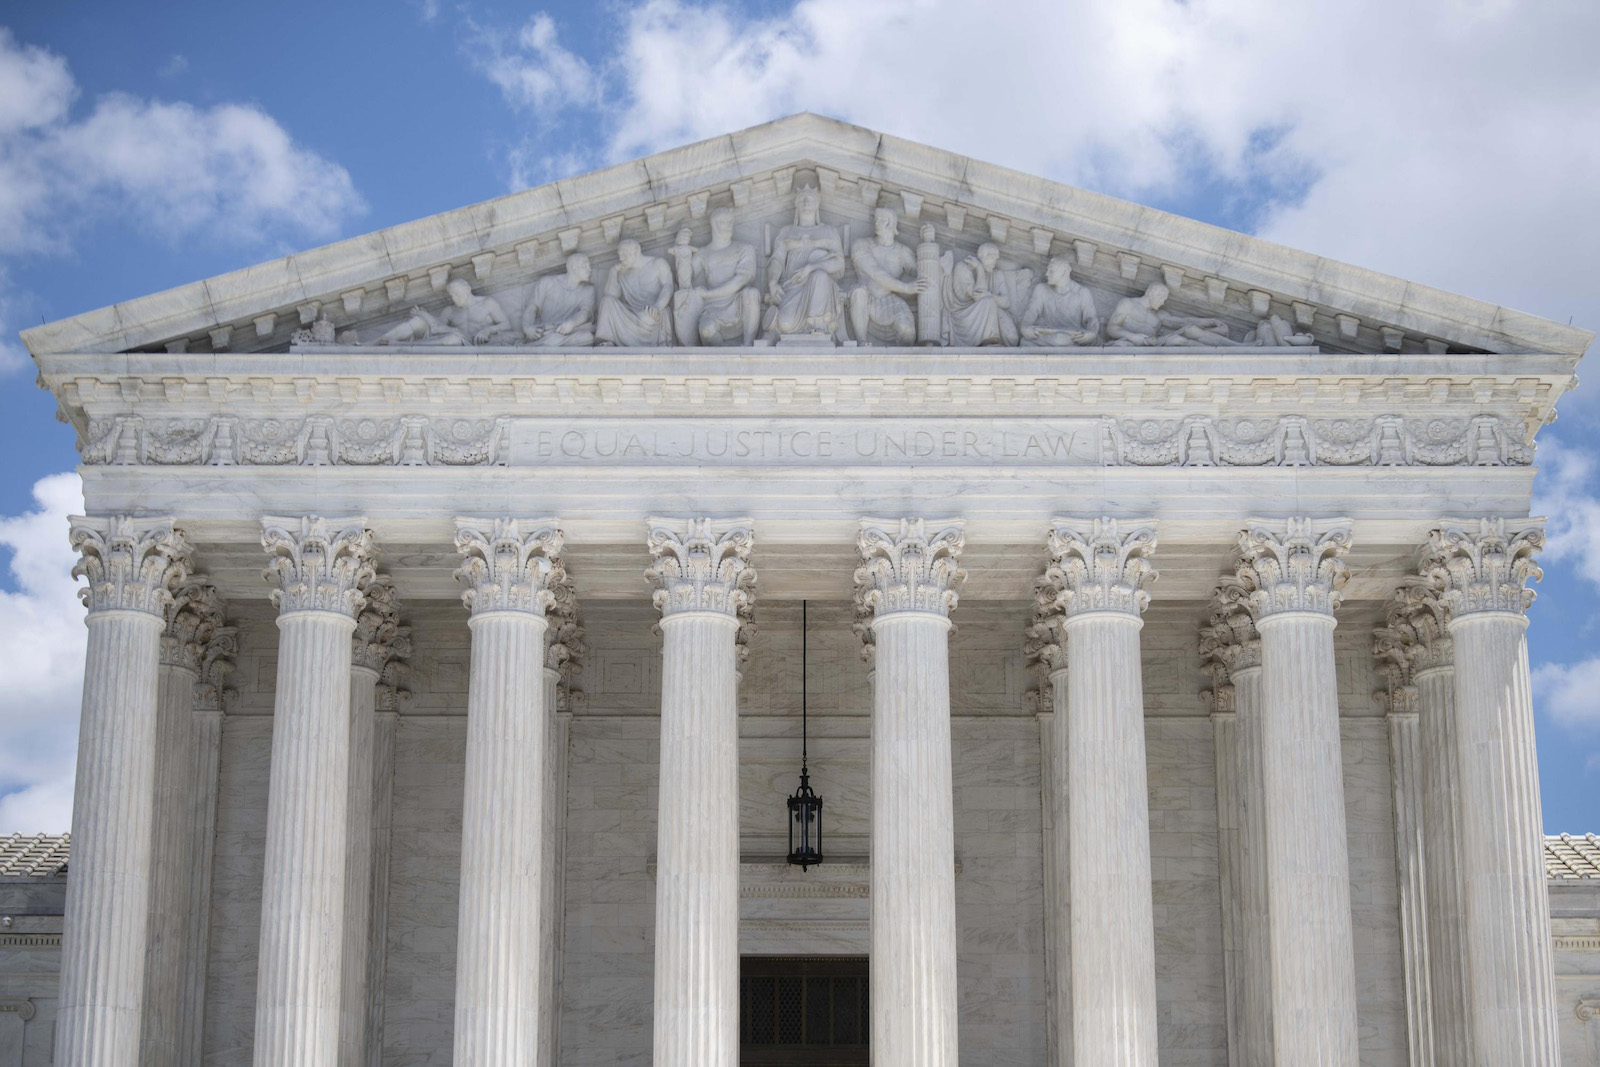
(805, 807)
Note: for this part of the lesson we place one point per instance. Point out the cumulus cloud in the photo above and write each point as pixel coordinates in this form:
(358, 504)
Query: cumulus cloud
(226, 172)
(1449, 141)
(42, 639)
(1566, 493)
(536, 72)
(1569, 692)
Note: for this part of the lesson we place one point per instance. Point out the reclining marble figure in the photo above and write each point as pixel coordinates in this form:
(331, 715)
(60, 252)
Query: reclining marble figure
(469, 320)
(1139, 322)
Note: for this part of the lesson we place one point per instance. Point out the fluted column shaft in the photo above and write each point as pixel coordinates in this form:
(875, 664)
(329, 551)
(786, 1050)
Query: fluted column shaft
(697, 845)
(1113, 926)
(913, 844)
(509, 568)
(357, 870)
(1405, 757)
(171, 866)
(1313, 949)
(320, 566)
(206, 732)
(132, 567)
(1254, 941)
(302, 896)
(497, 968)
(1507, 913)
(385, 723)
(553, 904)
(1441, 794)
(1057, 872)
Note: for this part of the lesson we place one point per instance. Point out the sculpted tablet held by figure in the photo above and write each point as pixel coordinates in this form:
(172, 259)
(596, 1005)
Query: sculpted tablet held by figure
(635, 309)
(1060, 312)
(802, 274)
(719, 305)
(561, 309)
(879, 314)
(469, 320)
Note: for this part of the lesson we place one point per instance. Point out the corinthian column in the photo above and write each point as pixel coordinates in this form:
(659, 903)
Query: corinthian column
(372, 644)
(1099, 571)
(195, 616)
(508, 570)
(560, 663)
(1418, 629)
(1482, 567)
(319, 566)
(1233, 657)
(906, 577)
(703, 580)
(133, 566)
(392, 695)
(1046, 652)
(1294, 571)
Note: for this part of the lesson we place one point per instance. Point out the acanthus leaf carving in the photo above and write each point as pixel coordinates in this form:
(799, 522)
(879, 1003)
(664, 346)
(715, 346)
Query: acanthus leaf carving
(217, 661)
(195, 615)
(906, 568)
(1101, 564)
(378, 627)
(1293, 565)
(318, 564)
(131, 563)
(701, 564)
(1484, 564)
(508, 564)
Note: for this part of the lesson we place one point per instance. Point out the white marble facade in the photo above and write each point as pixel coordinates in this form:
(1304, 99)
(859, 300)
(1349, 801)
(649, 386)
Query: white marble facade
(1236, 812)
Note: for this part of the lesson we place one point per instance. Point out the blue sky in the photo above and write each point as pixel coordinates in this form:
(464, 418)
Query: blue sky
(1454, 142)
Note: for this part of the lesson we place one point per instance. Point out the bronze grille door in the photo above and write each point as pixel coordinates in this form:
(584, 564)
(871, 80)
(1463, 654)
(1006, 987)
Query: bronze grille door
(803, 1011)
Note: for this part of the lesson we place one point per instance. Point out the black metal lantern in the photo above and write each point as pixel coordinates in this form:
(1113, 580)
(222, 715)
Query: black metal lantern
(805, 807)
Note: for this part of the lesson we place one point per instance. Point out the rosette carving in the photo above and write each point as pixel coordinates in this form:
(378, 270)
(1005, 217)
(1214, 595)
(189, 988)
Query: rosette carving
(132, 564)
(906, 568)
(701, 565)
(1484, 564)
(508, 564)
(1295, 565)
(1099, 565)
(318, 564)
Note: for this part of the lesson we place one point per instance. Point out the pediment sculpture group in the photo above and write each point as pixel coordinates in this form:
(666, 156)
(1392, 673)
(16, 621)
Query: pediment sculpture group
(721, 293)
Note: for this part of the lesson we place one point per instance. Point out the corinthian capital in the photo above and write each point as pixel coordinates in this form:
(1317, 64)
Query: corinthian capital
(378, 627)
(509, 564)
(132, 564)
(318, 564)
(1294, 565)
(1097, 565)
(701, 565)
(191, 621)
(905, 568)
(211, 693)
(1484, 564)
(1415, 635)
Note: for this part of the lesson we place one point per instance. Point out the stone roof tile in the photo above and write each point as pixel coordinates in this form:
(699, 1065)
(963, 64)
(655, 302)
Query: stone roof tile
(33, 856)
(1572, 856)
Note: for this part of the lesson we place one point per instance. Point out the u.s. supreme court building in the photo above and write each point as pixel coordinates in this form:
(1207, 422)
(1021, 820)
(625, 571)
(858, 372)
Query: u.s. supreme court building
(445, 588)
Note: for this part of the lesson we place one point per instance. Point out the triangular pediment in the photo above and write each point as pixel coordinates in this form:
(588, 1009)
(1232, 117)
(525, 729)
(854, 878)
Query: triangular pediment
(362, 287)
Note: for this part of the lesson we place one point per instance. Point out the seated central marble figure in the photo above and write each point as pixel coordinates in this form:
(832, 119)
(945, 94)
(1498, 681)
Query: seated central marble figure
(561, 309)
(879, 313)
(634, 309)
(716, 303)
(802, 275)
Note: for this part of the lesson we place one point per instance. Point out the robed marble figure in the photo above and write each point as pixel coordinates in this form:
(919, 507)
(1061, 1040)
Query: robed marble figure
(561, 309)
(636, 307)
(716, 303)
(1060, 312)
(802, 274)
(879, 314)
(976, 313)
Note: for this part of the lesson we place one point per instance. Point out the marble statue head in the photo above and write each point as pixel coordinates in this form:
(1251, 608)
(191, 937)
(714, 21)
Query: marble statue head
(885, 224)
(628, 252)
(807, 205)
(578, 270)
(722, 224)
(1059, 272)
(988, 255)
(460, 292)
(1156, 296)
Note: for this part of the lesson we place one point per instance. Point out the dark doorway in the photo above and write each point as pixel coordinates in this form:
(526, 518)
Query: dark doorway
(803, 1011)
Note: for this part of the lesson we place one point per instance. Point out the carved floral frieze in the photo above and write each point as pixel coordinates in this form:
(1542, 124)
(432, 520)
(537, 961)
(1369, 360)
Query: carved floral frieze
(1194, 441)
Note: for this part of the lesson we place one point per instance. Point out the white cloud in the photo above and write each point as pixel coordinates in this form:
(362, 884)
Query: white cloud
(175, 65)
(175, 171)
(42, 639)
(1570, 693)
(537, 73)
(1451, 141)
(1565, 492)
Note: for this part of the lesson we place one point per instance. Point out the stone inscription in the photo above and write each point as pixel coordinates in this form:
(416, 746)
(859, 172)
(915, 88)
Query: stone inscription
(799, 442)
